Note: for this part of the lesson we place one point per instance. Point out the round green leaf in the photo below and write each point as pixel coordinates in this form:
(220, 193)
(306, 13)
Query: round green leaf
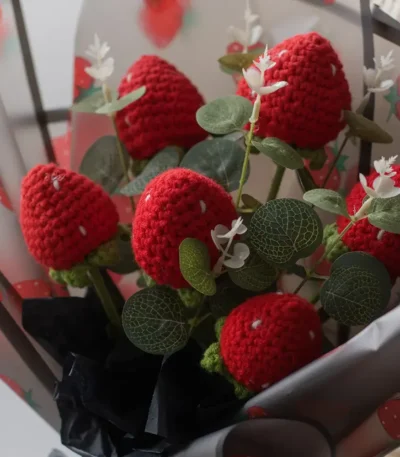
(91, 103)
(385, 214)
(238, 61)
(358, 289)
(219, 159)
(194, 262)
(284, 231)
(102, 163)
(328, 200)
(225, 115)
(165, 160)
(121, 103)
(366, 129)
(280, 152)
(153, 320)
(256, 275)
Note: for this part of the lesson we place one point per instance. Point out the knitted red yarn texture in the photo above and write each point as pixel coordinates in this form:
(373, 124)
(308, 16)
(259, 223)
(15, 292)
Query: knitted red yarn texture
(165, 115)
(64, 216)
(307, 112)
(268, 337)
(364, 237)
(175, 205)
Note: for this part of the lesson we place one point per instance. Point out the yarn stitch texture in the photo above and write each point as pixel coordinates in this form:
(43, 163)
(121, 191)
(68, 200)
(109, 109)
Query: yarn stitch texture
(165, 115)
(307, 113)
(364, 237)
(268, 337)
(175, 205)
(64, 216)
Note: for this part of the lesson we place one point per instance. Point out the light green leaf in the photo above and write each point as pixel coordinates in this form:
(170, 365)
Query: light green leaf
(328, 200)
(385, 214)
(194, 262)
(280, 152)
(90, 104)
(165, 160)
(219, 159)
(284, 231)
(121, 103)
(256, 275)
(225, 115)
(238, 60)
(358, 289)
(305, 179)
(366, 129)
(153, 320)
(250, 202)
(102, 164)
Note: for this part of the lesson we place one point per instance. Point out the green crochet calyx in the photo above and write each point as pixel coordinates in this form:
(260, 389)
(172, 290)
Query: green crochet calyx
(332, 243)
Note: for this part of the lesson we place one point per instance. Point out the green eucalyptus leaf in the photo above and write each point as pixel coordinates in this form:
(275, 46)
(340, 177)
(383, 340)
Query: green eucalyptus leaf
(238, 61)
(102, 163)
(316, 157)
(194, 261)
(165, 160)
(358, 289)
(219, 159)
(256, 275)
(280, 152)
(234, 136)
(328, 200)
(121, 103)
(366, 129)
(305, 179)
(154, 321)
(227, 298)
(90, 104)
(384, 213)
(225, 115)
(284, 231)
(127, 263)
(250, 202)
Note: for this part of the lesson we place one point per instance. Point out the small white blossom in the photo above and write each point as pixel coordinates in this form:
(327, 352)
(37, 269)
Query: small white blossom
(252, 33)
(255, 80)
(240, 254)
(264, 63)
(238, 228)
(383, 186)
(386, 62)
(374, 78)
(101, 69)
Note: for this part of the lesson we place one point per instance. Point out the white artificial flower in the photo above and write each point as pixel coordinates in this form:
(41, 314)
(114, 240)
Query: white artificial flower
(240, 254)
(374, 77)
(264, 63)
(249, 16)
(101, 69)
(252, 33)
(386, 62)
(238, 228)
(383, 186)
(255, 80)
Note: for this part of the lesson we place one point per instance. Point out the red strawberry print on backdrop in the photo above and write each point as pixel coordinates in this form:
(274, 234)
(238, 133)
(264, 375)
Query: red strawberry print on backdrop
(25, 395)
(176, 205)
(4, 200)
(389, 415)
(62, 149)
(161, 20)
(32, 288)
(307, 112)
(393, 97)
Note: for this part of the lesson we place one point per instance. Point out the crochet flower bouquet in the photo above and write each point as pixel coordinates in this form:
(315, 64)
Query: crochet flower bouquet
(210, 326)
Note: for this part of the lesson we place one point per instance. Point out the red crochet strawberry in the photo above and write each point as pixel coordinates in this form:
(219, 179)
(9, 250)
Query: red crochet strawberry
(307, 112)
(265, 339)
(165, 115)
(82, 81)
(175, 205)
(64, 216)
(365, 237)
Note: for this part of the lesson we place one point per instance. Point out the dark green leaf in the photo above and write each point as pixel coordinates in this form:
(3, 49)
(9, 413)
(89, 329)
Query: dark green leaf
(255, 275)
(328, 200)
(305, 179)
(102, 163)
(121, 103)
(250, 202)
(280, 152)
(284, 231)
(225, 115)
(358, 289)
(219, 159)
(227, 298)
(194, 261)
(90, 104)
(297, 270)
(366, 129)
(238, 61)
(385, 214)
(153, 320)
(127, 263)
(141, 282)
(165, 160)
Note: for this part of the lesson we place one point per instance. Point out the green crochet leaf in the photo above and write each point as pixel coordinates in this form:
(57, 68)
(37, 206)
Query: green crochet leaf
(218, 326)
(358, 289)
(106, 254)
(385, 214)
(225, 115)
(212, 360)
(219, 159)
(328, 200)
(280, 152)
(256, 275)
(334, 246)
(153, 320)
(284, 231)
(194, 261)
(77, 276)
(102, 163)
(165, 160)
(121, 103)
(191, 298)
(365, 129)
